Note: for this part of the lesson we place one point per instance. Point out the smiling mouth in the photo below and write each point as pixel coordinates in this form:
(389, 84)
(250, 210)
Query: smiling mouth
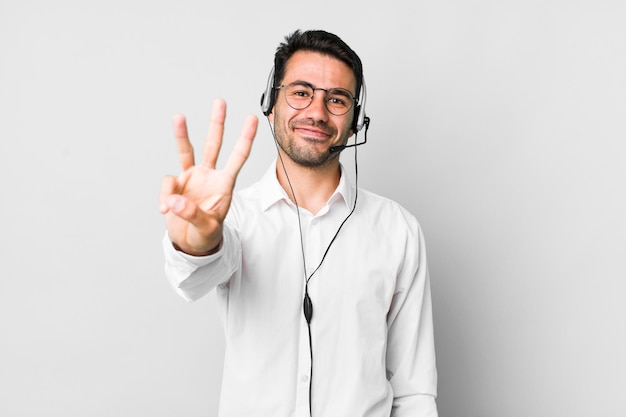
(312, 134)
(312, 131)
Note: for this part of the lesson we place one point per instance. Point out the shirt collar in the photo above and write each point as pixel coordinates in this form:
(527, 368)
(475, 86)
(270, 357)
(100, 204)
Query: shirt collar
(272, 192)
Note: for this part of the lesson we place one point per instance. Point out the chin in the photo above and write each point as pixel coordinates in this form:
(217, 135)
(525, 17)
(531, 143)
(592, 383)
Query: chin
(316, 160)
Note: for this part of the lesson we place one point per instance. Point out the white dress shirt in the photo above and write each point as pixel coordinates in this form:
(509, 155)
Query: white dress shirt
(372, 327)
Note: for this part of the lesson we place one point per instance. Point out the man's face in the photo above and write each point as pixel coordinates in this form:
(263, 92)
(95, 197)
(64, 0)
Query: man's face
(306, 135)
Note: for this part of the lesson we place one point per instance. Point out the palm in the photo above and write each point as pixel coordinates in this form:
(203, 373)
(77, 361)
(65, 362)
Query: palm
(196, 202)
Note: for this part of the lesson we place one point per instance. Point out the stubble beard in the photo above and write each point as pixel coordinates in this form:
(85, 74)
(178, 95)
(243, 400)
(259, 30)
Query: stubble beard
(304, 156)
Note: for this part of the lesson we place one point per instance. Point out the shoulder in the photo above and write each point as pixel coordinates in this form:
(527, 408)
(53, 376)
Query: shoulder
(385, 209)
(387, 221)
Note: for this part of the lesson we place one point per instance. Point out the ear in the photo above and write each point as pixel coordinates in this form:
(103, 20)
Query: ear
(270, 116)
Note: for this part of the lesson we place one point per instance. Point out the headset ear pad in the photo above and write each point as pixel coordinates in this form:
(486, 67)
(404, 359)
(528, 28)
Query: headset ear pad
(263, 104)
(268, 97)
(356, 118)
(267, 101)
(359, 112)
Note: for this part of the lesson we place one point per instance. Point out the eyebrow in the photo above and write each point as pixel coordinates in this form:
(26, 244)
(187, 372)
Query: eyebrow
(334, 89)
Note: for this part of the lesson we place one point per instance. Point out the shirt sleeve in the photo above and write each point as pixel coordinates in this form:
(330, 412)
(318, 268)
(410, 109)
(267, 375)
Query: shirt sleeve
(192, 277)
(411, 367)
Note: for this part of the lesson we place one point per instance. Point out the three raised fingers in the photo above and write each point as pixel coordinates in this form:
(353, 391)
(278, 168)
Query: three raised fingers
(213, 141)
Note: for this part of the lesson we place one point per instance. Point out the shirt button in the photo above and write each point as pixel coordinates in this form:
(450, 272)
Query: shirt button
(304, 378)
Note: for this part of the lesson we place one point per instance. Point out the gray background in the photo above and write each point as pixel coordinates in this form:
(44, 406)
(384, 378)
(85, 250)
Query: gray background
(499, 124)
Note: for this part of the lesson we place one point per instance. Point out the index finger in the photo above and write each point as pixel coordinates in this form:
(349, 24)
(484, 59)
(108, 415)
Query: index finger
(242, 148)
(185, 150)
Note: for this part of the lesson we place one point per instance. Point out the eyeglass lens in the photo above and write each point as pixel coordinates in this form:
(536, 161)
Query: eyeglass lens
(300, 96)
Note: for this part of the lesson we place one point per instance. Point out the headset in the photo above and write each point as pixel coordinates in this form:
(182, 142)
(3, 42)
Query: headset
(268, 99)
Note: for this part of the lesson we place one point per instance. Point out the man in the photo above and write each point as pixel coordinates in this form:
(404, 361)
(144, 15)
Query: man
(322, 288)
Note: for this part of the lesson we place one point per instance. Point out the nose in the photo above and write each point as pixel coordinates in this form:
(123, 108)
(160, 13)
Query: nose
(317, 109)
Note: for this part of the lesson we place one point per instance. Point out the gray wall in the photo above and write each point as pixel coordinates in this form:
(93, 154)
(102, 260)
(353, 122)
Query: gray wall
(499, 124)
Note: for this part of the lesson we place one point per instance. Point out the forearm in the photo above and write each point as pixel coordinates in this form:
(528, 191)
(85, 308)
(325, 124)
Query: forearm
(192, 277)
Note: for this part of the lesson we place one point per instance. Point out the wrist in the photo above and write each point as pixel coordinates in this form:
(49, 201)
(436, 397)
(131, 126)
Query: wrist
(196, 252)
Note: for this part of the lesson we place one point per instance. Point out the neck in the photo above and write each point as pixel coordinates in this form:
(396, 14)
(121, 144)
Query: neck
(312, 186)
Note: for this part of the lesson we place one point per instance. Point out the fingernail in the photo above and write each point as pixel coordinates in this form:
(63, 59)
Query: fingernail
(178, 204)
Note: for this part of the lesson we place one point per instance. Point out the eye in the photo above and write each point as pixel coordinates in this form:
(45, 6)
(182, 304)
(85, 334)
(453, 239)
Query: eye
(299, 91)
(337, 101)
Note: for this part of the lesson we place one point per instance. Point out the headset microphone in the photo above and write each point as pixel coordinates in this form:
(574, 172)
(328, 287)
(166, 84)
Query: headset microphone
(334, 149)
(340, 148)
(366, 124)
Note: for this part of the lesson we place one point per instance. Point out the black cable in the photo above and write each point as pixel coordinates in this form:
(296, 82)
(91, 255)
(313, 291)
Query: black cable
(307, 305)
(308, 325)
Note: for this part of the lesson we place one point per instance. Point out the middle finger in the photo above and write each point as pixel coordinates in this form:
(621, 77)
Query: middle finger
(213, 141)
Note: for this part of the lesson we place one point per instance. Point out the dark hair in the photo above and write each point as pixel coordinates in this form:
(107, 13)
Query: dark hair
(317, 41)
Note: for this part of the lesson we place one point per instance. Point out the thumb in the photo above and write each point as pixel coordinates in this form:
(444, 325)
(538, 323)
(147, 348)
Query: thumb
(200, 235)
(184, 208)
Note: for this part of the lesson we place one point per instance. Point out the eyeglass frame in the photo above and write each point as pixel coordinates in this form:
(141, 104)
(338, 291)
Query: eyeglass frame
(353, 100)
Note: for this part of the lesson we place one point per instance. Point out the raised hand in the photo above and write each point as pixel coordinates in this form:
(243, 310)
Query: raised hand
(196, 202)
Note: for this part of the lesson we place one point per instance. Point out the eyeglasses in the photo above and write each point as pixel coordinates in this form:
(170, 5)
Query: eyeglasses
(299, 95)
